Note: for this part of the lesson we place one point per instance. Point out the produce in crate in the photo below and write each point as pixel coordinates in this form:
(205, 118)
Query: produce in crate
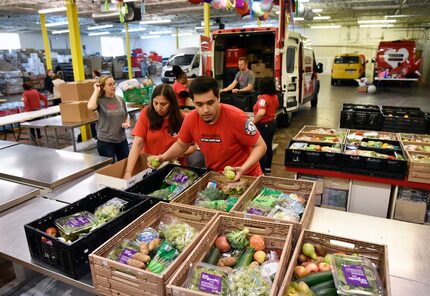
(179, 234)
(237, 238)
(73, 226)
(109, 210)
(208, 278)
(367, 153)
(167, 193)
(248, 281)
(165, 255)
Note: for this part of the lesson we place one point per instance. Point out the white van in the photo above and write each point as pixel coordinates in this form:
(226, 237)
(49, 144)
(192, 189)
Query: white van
(187, 58)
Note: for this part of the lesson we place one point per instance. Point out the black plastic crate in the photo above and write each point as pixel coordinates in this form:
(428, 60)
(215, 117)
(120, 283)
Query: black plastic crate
(404, 120)
(154, 181)
(313, 159)
(376, 149)
(373, 166)
(356, 116)
(72, 259)
(241, 101)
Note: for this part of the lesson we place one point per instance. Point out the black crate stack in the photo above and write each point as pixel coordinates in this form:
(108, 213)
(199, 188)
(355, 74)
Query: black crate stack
(358, 116)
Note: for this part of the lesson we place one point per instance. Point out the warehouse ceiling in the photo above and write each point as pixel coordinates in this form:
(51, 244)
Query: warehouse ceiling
(21, 15)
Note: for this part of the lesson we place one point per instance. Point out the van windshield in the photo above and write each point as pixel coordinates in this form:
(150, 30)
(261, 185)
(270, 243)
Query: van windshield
(181, 60)
(346, 60)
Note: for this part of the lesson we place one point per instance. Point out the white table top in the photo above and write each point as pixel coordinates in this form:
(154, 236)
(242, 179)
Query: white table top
(25, 116)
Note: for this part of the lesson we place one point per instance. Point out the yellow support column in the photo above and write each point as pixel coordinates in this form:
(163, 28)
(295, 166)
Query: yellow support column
(76, 50)
(177, 38)
(45, 41)
(127, 41)
(206, 16)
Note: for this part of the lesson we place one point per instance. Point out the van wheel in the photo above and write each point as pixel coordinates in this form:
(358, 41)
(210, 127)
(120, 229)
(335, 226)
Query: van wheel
(332, 82)
(193, 76)
(314, 101)
(283, 120)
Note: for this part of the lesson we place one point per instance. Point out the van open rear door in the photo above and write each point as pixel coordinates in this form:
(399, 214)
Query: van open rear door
(206, 56)
(290, 77)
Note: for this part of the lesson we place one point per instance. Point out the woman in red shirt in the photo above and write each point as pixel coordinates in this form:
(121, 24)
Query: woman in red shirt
(265, 118)
(157, 127)
(180, 87)
(32, 98)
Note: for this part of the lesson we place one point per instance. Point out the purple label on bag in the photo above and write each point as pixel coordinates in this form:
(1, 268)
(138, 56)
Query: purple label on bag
(126, 255)
(77, 221)
(180, 178)
(355, 275)
(210, 283)
(254, 211)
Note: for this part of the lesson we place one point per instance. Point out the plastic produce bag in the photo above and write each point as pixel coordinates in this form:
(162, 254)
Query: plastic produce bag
(109, 210)
(234, 188)
(165, 255)
(147, 235)
(180, 177)
(167, 193)
(220, 205)
(209, 279)
(178, 233)
(285, 214)
(248, 281)
(72, 226)
(124, 251)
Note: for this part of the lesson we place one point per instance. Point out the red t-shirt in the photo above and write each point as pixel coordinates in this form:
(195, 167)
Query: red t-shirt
(155, 141)
(227, 142)
(178, 88)
(32, 100)
(269, 103)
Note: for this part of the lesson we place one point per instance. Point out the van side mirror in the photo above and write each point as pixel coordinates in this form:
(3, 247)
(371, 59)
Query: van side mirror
(320, 68)
(372, 60)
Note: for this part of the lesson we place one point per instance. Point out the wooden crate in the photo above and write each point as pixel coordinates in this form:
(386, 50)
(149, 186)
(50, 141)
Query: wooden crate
(309, 130)
(307, 188)
(189, 196)
(418, 171)
(108, 275)
(377, 253)
(276, 236)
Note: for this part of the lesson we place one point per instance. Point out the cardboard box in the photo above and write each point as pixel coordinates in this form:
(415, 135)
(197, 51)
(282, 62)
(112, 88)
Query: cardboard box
(77, 91)
(111, 176)
(76, 112)
(259, 67)
(411, 211)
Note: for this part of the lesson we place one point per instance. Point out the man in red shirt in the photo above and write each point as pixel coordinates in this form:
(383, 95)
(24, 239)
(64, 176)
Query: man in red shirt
(32, 98)
(225, 135)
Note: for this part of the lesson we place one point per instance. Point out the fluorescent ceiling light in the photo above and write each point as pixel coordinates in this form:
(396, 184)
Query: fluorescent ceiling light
(304, 1)
(182, 34)
(326, 17)
(398, 15)
(98, 33)
(326, 27)
(160, 32)
(153, 22)
(150, 37)
(135, 30)
(317, 10)
(99, 27)
(59, 24)
(60, 32)
(376, 21)
(256, 26)
(299, 18)
(116, 1)
(377, 26)
(51, 10)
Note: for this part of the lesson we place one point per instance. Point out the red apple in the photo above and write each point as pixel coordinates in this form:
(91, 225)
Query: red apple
(324, 266)
(304, 264)
(311, 267)
(300, 271)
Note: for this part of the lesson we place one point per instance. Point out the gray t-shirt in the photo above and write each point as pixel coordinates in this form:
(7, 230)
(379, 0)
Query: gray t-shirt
(244, 78)
(112, 113)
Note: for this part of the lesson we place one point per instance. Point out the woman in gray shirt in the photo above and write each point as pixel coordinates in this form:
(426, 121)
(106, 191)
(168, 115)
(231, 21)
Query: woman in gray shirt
(113, 119)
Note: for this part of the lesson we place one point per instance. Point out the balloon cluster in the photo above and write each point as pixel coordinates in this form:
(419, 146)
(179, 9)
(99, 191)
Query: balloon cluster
(259, 8)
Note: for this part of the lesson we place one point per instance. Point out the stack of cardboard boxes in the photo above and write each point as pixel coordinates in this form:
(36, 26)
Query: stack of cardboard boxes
(261, 71)
(74, 100)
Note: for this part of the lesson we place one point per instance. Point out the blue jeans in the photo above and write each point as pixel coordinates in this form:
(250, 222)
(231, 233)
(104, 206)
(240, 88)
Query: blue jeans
(113, 150)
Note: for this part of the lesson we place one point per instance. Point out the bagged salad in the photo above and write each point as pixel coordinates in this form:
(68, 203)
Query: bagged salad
(109, 210)
(73, 226)
(180, 177)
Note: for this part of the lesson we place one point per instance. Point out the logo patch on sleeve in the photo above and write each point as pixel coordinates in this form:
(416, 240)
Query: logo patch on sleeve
(250, 128)
(262, 103)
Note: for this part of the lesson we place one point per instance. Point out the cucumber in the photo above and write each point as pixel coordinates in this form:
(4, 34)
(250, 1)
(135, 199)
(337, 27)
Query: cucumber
(316, 278)
(246, 258)
(323, 285)
(326, 292)
(212, 256)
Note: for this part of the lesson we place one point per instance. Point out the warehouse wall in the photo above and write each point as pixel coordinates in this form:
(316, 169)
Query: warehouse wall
(165, 45)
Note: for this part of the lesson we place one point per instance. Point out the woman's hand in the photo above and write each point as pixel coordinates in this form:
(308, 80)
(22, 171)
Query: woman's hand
(127, 176)
(125, 125)
(97, 86)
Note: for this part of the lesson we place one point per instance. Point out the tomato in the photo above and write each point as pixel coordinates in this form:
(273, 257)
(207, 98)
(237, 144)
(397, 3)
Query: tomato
(51, 231)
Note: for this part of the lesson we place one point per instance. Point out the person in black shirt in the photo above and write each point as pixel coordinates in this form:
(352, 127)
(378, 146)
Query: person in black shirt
(49, 86)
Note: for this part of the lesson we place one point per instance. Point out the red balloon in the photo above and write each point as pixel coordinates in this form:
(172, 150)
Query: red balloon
(244, 10)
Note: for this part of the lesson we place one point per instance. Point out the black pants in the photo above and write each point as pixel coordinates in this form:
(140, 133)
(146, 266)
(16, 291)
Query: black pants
(267, 131)
(116, 151)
